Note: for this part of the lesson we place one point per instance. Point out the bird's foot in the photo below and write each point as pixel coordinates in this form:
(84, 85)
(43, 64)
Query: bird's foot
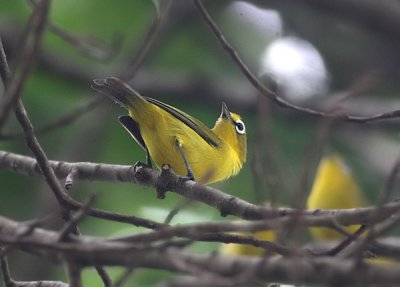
(141, 173)
(187, 177)
(140, 164)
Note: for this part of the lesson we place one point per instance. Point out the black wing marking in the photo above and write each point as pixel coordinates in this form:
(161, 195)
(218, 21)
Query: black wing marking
(133, 128)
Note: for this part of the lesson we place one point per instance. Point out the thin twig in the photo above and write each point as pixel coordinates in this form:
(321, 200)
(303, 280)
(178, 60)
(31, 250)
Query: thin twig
(20, 111)
(39, 153)
(390, 223)
(177, 208)
(320, 136)
(145, 46)
(16, 83)
(50, 177)
(64, 120)
(346, 242)
(198, 230)
(27, 126)
(357, 250)
(275, 97)
(267, 161)
(4, 70)
(268, 246)
(88, 46)
(4, 250)
(104, 276)
(74, 274)
(124, 277)
(8, 281)
(89, 251)
(387, 192)
(70, 225)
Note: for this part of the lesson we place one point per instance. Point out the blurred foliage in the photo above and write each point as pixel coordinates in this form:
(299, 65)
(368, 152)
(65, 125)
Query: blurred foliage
(187, 47)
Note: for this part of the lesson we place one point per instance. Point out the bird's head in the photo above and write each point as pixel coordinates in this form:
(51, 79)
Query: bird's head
(232, 131)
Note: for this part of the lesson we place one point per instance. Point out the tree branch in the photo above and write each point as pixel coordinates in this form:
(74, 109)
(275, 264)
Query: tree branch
(90, 251)
(15, 84)
(275, 97)
(88, 46)
(225, 203)
(9, 282)
(64, 120)
(145, 46)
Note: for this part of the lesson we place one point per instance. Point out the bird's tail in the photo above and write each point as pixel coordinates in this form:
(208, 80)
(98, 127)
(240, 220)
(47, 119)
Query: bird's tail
(118, 90)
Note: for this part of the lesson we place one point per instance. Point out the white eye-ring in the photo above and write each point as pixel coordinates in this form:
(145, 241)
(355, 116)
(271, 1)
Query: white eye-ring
(240, 128)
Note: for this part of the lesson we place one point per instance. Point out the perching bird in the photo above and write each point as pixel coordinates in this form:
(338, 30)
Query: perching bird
(334, 188)
(170, 136)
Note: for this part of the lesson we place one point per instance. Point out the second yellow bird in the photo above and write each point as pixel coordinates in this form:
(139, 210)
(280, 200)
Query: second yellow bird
(334, 188)
(170, 136)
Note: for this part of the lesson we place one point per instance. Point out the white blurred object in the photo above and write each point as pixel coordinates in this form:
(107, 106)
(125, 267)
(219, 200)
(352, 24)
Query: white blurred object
(267, 22)
(251, 28)
(297, 68)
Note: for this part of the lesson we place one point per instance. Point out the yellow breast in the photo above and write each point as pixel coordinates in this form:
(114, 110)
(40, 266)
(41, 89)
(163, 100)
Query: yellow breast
(209, 164)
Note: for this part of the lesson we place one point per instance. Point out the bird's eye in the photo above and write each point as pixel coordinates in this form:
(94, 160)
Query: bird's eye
(240, 128)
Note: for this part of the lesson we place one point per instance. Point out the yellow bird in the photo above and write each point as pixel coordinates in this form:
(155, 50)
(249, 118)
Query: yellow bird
(170, 136)
(250, 250)
(334, 188)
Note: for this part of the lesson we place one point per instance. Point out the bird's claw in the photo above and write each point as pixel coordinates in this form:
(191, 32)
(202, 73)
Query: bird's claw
(140, 164)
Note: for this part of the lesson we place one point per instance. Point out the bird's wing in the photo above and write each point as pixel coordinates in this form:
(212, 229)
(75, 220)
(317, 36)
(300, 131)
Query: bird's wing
(133, 129)
(201, 129)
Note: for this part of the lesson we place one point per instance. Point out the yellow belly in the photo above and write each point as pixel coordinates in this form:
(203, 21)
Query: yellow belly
(209, 164)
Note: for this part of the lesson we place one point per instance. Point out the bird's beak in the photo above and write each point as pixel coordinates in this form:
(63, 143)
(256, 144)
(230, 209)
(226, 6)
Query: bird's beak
(225, 112)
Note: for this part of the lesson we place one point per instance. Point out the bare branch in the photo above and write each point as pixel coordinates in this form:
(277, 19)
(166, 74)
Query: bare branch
(64, 120)
(70, 225)
(64, 200)
(177, 208)
(4, 69)
(124, 277)
(86, 171)
(225, 203)
(39, 153)
(19, 109)
(16, 83)
(103, 276)
(9, 282)
(148, 41)
(88, 46)
(346, 242)
(74, 274)
(269, 246)
(387, 225)
(90, 251)
(275, 97)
